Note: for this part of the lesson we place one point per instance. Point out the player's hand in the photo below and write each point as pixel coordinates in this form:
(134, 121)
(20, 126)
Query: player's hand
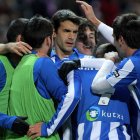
(66, 67)
(19, 126)
(35, 131)
(112, 56)
(19, 48)
(89, 12)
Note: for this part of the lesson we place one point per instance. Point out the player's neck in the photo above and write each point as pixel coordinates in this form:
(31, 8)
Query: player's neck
(41, 52)
(63, 54)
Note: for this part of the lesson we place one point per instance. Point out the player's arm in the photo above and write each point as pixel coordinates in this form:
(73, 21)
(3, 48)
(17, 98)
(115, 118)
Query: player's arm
(88, 62)
(68, 100)
(13, 123)
(18, 48)
(6, 121)
(105, 30)
(124, 75)
(100, 84)
(95, 63)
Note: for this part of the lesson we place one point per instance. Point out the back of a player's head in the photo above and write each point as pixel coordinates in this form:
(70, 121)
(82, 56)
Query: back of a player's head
(120, 22)
(131, 34)
(82, 29)
(37, 29)
(64, 15)
(16, 28)
(104, 48)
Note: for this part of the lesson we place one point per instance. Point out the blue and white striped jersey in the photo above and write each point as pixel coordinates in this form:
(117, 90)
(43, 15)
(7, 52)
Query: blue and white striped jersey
(95, 120)
(128, 74)
(65, 131)
(107, 32)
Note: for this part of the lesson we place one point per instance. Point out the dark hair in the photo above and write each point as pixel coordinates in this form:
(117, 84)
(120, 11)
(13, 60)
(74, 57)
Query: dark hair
(16, 28)
(120, 22)
(132, 34)
(105, 48)
(81, 36)
(128, 25)
(37, 29)
(63, 15)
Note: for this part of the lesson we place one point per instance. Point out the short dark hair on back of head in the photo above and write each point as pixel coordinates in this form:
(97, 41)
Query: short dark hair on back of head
(16, 28)
(120, 22)
(63, 15)
(37, 29)
(131, 34)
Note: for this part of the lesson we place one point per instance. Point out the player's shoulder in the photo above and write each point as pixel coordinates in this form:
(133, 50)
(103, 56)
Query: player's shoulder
(45, 60)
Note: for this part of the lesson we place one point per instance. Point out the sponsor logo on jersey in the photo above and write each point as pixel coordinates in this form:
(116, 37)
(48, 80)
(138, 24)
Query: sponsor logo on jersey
(93, 113)
(116, 73)
(112, 115)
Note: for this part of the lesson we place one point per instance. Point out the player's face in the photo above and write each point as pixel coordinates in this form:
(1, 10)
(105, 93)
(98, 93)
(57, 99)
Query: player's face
(66, 36)
(91, 37)
(84, 49)
(119, 47)
(122, 48)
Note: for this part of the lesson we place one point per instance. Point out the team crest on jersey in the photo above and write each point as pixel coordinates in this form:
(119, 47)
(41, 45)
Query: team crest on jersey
(116, 73)
(93, 113)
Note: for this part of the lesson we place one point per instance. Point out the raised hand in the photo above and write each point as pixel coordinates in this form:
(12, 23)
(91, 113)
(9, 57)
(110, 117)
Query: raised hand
(89, 12)
(112, 56)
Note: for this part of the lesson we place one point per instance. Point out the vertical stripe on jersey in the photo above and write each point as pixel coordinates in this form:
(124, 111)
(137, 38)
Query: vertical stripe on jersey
(135, 95)
(80, 131)
(127, 137)
(113, 134)
(67, 130)
(95, 133)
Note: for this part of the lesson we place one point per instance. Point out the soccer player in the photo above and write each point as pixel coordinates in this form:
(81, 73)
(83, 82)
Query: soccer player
(9, 61)
(126, 73)
(66, 24)
(41, 85)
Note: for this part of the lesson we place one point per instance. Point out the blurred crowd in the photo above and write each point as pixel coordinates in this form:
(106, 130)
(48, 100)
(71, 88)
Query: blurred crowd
(106, 10)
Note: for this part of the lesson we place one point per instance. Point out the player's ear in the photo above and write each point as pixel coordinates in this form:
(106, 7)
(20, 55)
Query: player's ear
(18, 38)
(54, 34)
(121, 40)
(48, 41)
